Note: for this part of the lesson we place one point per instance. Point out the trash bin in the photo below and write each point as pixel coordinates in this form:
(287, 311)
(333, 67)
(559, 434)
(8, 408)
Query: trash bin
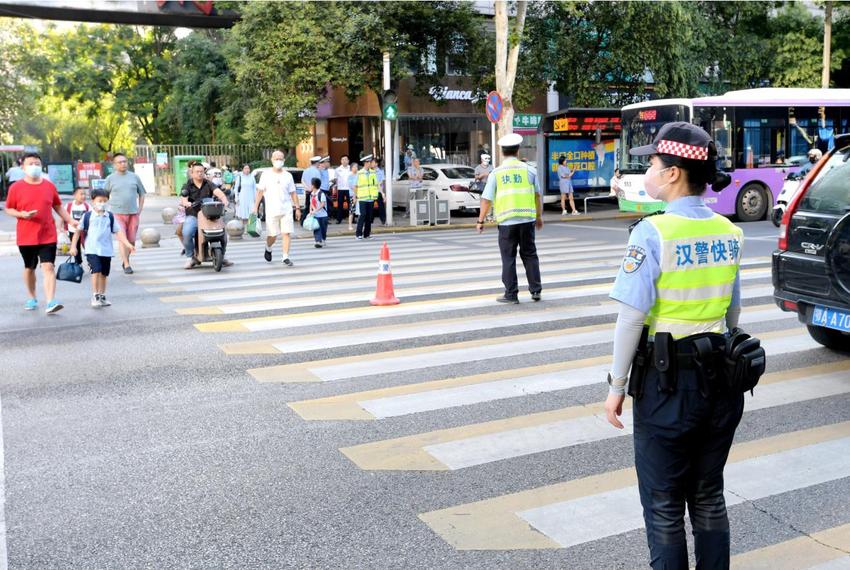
(181, 173)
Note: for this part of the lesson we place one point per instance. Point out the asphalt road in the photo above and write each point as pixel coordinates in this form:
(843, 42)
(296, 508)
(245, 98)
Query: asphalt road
(254, 418)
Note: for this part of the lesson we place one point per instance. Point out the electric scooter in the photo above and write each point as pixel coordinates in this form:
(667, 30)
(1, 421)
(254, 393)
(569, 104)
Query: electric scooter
(789, 189)
(212, 240)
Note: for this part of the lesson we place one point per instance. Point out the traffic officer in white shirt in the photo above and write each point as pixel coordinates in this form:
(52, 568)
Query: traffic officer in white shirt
(514, 193)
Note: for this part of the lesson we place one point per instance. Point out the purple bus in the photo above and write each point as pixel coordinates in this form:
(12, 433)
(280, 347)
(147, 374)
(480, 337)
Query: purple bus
(762, 135)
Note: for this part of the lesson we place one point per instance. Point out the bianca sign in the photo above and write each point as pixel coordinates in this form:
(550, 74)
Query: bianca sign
(443, 93)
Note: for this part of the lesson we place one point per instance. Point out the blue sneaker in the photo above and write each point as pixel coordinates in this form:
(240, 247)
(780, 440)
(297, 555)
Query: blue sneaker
(31, 305)
(54, 307)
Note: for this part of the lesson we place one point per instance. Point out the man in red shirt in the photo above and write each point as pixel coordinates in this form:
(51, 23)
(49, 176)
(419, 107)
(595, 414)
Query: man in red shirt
(32, 200)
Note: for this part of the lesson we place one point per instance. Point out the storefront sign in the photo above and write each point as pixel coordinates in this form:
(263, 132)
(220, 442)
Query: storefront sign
(443, 93)
(87, 171)
(526, 122)
(339, 139)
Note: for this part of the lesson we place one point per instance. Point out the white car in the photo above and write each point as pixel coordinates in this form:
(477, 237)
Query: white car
(450, 182)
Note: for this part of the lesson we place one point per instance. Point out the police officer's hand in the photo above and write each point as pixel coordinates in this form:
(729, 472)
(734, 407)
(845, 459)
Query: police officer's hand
(614, 408)
(539, 223)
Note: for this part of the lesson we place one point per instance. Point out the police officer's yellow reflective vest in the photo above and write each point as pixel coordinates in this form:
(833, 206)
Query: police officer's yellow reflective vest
(514, 192)
(699, 262)
(367, 185)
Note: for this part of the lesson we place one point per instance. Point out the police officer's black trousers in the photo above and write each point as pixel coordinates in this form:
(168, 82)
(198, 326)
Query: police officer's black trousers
(364, 220)
(682, 441)
(510, 237)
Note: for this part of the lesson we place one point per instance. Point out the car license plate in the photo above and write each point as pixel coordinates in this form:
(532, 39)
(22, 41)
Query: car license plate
(831, 318)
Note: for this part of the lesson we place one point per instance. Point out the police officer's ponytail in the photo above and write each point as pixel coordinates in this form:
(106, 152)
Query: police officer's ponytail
(700, 173)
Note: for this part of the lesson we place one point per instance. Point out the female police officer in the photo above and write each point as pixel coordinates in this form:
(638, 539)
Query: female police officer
(679, 290)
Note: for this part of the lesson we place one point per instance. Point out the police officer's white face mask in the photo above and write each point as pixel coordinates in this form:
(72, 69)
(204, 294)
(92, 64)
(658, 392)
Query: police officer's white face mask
(650, 182)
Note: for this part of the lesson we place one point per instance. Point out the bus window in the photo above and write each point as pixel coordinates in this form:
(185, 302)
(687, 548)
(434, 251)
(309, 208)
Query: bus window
(717, 121)
(640, 127)
(759, 136)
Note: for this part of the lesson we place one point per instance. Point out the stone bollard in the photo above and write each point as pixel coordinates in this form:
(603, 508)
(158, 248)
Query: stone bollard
(150, 237)
(168, 215)
(235, 229)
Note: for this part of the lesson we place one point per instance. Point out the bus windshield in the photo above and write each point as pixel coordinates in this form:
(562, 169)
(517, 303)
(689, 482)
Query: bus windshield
(640, 127)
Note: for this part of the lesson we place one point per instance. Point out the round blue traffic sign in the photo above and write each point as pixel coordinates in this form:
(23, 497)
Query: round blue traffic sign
(494, 106)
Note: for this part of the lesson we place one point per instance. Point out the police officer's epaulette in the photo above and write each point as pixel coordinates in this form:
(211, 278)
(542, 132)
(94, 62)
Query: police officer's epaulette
(634, 224)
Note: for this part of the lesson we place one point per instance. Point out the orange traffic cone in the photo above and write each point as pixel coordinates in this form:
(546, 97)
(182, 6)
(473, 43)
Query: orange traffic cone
(384, 294)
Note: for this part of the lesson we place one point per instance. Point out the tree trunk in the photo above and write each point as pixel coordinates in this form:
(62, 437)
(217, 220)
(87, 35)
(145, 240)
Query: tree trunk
(827, 41)
(508, 40)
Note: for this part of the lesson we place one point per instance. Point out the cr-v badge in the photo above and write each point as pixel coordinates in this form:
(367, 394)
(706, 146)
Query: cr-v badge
(811, 248)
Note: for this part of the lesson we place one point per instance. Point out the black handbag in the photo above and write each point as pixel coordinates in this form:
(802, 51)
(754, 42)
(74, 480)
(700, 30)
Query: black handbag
(70, 271)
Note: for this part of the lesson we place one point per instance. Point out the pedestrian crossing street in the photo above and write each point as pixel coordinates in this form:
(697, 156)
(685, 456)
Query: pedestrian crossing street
(449, 346)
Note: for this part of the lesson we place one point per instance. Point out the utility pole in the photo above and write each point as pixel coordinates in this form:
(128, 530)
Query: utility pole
(827, 41)
(389, 159)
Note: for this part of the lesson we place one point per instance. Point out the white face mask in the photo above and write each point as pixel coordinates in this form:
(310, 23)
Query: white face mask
(653, 190)
(99, 206)
(277, 163)
(33, 171)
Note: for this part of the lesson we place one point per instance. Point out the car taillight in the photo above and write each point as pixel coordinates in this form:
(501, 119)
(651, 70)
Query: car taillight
(790, 306)
(795, 202)
(459, 188)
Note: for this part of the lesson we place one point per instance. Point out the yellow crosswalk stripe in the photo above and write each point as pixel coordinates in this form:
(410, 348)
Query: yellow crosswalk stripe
(409, 453)
(807, 551)
(493, 524)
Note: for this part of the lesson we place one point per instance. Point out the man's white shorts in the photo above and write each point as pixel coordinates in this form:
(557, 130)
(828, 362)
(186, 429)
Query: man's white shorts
(275, 225)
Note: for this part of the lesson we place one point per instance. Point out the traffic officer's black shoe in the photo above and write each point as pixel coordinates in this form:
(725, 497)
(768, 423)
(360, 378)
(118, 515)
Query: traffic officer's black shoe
(535, 296)
(505, 299)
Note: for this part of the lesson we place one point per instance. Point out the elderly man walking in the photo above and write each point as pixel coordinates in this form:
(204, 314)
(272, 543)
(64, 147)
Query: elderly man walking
(126, 200)
(278, 187)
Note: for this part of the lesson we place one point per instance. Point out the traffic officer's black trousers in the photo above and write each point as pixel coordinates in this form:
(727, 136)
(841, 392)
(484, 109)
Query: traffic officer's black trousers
(682, 441)
(510, 237)
(364, 219)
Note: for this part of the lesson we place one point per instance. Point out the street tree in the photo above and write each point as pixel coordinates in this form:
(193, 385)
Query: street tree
(509, 32)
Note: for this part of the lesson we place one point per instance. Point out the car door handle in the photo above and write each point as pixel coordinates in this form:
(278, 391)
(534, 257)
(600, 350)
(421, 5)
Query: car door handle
(810, 230)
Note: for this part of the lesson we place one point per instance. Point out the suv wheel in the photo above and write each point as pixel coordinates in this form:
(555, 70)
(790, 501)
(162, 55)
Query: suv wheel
(836, 340)
(751, 204)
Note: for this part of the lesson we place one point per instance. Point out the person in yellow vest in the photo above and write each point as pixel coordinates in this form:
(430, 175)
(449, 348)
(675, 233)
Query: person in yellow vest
(366, 192)
(514, 194)
(679, 294)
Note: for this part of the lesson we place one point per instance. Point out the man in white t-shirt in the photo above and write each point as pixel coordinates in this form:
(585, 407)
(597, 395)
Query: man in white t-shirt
(278, 187)
(342, 187)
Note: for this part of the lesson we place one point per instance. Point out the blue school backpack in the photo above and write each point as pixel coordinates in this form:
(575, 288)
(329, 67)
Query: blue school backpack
(84, 226)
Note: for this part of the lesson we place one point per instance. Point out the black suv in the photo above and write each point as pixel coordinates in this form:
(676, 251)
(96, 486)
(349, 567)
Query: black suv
(811, 268)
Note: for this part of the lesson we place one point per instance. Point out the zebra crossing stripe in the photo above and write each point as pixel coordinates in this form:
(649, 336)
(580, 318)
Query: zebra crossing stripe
(348, 406)
(442, 327)
(343, 368)
(476, 444)
(824, 550)
(558, 516)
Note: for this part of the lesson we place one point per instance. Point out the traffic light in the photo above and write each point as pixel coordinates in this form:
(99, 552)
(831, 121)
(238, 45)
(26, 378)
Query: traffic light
(390, 105)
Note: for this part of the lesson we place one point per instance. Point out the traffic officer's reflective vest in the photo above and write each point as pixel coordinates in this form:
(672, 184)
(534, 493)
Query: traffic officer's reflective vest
(367, 185)
(699, 262)
(514, 192)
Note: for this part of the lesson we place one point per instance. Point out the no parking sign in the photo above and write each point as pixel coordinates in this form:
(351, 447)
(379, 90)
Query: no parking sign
(494, 106)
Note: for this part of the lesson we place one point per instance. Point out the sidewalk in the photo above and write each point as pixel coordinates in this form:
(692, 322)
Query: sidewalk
(154, 204)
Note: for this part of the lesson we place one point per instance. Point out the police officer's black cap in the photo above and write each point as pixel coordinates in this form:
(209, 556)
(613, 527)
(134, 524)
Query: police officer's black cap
(678, 139)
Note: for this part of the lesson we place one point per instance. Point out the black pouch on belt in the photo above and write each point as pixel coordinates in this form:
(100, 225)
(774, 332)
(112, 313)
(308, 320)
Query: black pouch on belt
(705, 361)
(665, 361)
(745, 361)
(640, 366)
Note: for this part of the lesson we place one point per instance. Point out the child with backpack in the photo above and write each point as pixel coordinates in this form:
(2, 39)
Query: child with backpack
(76, 209)
(95, 235)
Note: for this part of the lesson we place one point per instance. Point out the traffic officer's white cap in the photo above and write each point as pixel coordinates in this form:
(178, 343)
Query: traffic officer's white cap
(325, 159)
(316, 159)
(410, 146)
(512, 139)
(485, 157)
(365, 158)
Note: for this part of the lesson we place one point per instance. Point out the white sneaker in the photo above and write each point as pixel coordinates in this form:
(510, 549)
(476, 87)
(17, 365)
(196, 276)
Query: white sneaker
(95, 301)
(575, 213)
(564, 213)
(104, 302)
